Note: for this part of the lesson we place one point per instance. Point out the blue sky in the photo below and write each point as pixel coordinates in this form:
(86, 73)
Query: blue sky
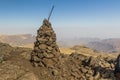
(79, 18)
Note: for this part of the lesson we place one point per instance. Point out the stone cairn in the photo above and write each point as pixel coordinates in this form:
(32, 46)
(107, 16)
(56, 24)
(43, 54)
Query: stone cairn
(46, 52)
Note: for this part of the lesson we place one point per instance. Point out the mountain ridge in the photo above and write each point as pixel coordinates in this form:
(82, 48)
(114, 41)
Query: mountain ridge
(110, 45)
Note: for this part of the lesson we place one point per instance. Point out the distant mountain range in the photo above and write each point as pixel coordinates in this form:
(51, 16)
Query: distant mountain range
(101, 45)
(17, 40)
(70, 42)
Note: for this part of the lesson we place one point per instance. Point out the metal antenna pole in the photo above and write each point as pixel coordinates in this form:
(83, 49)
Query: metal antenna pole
(50, 12)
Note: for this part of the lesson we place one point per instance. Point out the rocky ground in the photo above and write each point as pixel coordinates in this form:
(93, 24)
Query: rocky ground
(15, 65)
(47, 62)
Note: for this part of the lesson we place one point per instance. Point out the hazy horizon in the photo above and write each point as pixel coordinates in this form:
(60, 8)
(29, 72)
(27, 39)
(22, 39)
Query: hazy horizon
(70, 18)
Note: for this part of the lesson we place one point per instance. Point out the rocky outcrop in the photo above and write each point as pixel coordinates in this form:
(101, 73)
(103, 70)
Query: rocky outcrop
(13, 63)
(56, 66)
(10, 71)
(5, 50)
(75, 66)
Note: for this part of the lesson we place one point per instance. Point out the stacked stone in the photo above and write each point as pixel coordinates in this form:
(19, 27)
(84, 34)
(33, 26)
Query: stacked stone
(46, 51)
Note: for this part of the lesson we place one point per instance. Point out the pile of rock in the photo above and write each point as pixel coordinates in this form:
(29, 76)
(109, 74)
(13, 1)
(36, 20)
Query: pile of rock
(46, 51)
(56, 66)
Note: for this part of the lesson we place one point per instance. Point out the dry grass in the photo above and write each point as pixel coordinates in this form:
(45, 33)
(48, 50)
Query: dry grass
(28, 46)
(66, 50)
(82, 50)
